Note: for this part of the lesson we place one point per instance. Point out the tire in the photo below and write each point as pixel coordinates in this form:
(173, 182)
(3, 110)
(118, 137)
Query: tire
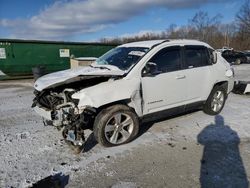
(238, 61)
(215, 100)
(116, 125)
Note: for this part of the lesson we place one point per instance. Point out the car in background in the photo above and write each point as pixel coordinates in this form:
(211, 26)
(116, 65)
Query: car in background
(224, 48)
(234, 57)
(247, 54)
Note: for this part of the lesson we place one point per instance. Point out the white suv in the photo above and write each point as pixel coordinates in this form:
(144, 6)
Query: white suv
(130, 83)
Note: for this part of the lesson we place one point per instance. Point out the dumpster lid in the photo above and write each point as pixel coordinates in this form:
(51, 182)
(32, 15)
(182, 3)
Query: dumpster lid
(86, 58)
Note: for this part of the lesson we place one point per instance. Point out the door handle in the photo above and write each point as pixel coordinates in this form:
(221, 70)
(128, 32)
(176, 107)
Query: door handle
(180, 77)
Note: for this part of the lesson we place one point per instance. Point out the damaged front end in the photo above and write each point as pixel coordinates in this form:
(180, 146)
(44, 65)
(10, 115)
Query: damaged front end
(59, 109)
(71, 99)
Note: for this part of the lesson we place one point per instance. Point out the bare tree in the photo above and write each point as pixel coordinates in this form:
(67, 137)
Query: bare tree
(228, 32)
(243, 22)
(243, 17)
(204, 25)
(205, 28)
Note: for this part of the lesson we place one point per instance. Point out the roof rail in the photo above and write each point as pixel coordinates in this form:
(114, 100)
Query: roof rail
(167, 40)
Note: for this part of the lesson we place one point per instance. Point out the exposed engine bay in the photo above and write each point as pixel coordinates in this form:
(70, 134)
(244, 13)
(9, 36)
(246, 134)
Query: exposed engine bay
(65, 114)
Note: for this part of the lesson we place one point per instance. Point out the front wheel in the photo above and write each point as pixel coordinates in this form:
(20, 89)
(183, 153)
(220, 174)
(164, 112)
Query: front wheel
(116, 125)
(215, 101)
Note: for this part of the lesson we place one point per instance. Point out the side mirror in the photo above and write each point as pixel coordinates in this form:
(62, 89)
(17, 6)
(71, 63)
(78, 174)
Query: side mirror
(150, 69)
(214, 57)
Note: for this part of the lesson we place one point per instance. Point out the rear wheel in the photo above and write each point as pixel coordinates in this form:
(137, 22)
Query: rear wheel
(116, 125)
(215, 101)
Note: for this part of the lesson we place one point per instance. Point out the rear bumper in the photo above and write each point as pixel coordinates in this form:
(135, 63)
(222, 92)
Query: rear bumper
(42, 112)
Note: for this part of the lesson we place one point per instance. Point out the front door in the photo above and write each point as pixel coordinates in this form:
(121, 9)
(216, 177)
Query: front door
(167, 88)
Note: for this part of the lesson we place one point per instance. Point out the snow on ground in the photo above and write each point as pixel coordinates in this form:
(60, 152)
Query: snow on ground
(169, 153)
(1, 73)
(242, 72)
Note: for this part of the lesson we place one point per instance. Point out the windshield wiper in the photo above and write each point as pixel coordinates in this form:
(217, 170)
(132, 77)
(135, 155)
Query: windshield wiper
(100, 67)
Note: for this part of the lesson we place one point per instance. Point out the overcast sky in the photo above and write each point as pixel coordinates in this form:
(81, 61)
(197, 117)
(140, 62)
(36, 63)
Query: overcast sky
(90, 20)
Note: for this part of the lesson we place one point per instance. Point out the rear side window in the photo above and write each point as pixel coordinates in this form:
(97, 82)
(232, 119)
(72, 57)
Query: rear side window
(168, 59)
(196, 56)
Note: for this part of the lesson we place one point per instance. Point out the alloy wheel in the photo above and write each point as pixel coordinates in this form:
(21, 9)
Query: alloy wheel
(119, 128)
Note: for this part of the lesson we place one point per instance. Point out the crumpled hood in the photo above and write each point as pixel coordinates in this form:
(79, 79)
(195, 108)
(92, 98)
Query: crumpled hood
(59, 77)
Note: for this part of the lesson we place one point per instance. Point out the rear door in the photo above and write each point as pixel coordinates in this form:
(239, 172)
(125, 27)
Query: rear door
(198, 72)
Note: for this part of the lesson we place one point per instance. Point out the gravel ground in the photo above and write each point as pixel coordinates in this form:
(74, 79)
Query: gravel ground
(192, 150)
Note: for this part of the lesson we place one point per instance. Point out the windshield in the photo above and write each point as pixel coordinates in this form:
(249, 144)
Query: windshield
(122, 57)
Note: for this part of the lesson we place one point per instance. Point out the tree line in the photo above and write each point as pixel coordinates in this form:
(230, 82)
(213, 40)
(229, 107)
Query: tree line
(204, 28)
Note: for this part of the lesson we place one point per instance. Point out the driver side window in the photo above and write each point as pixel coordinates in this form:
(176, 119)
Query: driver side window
(167, 59)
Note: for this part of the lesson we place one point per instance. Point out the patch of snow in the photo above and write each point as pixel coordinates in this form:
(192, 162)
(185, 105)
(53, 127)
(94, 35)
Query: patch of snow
(1, 73)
